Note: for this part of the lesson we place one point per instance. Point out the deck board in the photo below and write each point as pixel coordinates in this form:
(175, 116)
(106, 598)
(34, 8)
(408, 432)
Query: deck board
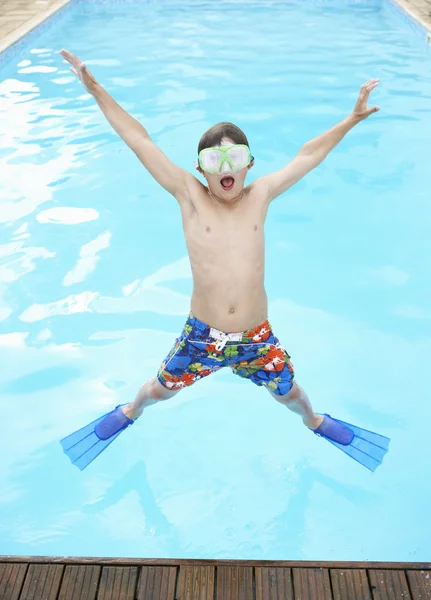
(11, 580)
(80, 582)
(420, 584)
(389, 584)
(195, 583)
(350, 584)
(312, 583)
(42, 582)
(68, 578)
(273, 583)
(235, 583)
(118, 583)
(156, 583)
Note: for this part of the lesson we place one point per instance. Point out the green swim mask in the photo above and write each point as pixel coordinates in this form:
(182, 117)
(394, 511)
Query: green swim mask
(237, 157)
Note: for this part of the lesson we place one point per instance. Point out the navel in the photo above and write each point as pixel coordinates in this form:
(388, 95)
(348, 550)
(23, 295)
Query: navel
(255, 227)
(231, 310)
(208, 228)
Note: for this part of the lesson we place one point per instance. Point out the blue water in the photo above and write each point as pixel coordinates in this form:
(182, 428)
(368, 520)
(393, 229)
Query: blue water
(96, 285)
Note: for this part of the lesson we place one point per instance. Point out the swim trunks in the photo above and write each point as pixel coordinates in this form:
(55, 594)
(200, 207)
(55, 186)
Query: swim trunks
(201, 350)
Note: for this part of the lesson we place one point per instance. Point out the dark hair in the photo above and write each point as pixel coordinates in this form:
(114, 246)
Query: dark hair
(214, 135)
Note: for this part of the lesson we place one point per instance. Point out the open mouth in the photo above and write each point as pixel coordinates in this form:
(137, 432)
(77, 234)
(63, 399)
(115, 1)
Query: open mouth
(227, 183)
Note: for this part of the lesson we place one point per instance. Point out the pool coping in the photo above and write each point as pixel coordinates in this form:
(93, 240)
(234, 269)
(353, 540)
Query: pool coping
(27, 26)
(31, 24)
(168, 562)
(416, 17)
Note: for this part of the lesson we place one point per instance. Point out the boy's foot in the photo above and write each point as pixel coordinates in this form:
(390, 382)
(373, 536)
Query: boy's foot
(314, 422)
(334, 431)
(131, 411)
(112, 424)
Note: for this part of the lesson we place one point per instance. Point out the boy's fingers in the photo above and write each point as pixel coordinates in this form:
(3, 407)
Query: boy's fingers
(68, 53)
(365, 96)
(65, 54)
(71, 58)
(371, 83)
(74, 71)
(372, 87)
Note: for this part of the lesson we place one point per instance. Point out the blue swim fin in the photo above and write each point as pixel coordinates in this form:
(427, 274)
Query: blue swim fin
(364, 446)
(84, 445)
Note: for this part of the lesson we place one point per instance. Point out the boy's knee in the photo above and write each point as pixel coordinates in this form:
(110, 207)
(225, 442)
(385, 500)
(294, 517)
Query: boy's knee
(292, 396)
(157, 391)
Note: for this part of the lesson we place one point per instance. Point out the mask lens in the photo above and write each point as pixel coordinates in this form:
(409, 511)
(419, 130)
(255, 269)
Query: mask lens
(210, 160)
(239, 156)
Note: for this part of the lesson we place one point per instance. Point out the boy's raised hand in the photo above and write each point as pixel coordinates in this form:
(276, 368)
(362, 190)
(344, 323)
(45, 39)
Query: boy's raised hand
(362, 110)
(79, 69)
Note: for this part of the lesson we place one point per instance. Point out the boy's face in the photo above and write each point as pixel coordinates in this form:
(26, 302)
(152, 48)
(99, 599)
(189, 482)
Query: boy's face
(227, 184)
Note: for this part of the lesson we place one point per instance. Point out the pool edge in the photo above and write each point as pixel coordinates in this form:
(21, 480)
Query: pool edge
(27, 26)
(208, 580)
(416, 17)
(310, 564)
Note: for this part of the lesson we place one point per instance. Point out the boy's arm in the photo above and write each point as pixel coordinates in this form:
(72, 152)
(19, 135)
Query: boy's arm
(172, 178)
(316, 150)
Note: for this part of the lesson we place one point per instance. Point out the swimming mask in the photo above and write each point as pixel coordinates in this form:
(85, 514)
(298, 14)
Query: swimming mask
(237, 157)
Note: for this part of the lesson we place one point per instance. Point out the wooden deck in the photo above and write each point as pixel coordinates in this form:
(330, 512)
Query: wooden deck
(64, 578)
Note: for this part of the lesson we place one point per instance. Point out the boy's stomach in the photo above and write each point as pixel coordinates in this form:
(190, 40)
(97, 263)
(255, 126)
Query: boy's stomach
(228, 282)
(230, 309)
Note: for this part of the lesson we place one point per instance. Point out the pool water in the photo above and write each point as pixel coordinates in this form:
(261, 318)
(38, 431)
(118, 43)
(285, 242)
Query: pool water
(96, 284)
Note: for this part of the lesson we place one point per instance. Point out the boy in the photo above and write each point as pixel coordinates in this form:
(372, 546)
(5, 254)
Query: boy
(224, 230)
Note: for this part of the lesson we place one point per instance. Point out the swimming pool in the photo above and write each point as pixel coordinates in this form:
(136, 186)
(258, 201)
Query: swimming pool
(96, 285)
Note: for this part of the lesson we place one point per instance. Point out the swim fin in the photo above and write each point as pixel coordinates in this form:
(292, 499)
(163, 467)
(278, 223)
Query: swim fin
(84, 445)
(364, 446)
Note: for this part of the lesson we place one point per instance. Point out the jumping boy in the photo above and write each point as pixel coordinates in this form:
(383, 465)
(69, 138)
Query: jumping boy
(223, 224)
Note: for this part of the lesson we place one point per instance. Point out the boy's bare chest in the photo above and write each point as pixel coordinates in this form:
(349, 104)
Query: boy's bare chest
(209, 229)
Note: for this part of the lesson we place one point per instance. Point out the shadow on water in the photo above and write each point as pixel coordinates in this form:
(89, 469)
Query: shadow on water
(46, 499)
(45, 502)
(291, 524)
(136, 480)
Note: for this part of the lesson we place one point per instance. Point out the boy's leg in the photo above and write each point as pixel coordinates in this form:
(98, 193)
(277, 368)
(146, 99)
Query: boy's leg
(297, 401)
(149, 393)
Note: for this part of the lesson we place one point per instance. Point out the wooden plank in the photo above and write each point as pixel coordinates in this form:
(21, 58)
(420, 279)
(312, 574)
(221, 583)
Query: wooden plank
(311, 584)
(235, 583)
(157, 583)
(80, 582)
(195, 583)
(420, 584)
(350, 584)
(389, 585)
(118, 583)
(11, 580)
(173, 562)
(273, 583)
(42, 582)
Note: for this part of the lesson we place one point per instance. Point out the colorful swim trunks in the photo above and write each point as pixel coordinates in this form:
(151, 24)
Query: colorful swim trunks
(201, 350)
